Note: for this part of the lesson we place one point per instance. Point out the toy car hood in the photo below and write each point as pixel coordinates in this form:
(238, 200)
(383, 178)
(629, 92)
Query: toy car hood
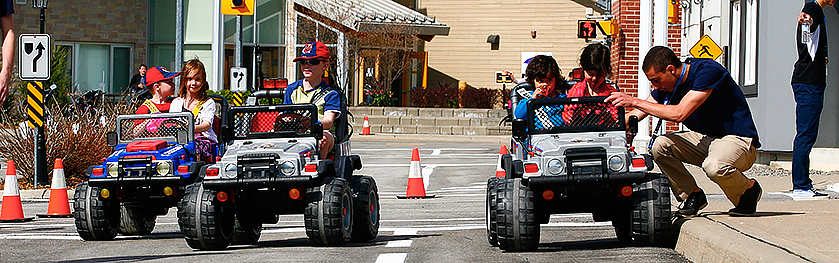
(283, 145)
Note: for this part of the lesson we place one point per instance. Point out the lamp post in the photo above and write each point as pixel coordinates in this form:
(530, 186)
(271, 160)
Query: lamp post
(41, 177)
(257, 69)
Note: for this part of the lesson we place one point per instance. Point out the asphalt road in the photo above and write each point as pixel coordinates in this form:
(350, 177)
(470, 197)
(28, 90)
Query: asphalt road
(448, 228)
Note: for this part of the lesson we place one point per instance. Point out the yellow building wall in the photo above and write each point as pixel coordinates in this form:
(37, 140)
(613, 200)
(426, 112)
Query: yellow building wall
(465, 54)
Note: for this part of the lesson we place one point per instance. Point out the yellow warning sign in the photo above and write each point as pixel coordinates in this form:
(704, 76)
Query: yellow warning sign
(35, 104)
(237, 7)
(237, 99)
(706, 48)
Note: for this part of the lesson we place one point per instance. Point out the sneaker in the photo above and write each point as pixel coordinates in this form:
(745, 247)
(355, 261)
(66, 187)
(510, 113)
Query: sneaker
(748, 201)
(804, 195)
(695, 202)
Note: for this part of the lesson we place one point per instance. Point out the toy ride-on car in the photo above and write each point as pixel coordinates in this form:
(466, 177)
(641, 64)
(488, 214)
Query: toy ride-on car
(153, 160)
(571, 156)
(271, 168)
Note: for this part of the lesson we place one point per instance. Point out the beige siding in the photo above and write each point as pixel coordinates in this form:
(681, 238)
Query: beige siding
(465, 54)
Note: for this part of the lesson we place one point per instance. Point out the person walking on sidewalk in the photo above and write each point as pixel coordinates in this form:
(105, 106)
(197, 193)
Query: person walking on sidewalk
(808, 85)
(723, 139)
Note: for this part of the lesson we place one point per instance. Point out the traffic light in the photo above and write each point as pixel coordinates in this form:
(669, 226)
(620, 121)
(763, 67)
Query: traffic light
(673, 12)
(586, 29)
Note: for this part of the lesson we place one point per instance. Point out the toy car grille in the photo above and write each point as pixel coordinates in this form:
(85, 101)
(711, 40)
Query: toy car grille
(152, 127)
(574, 114)
(275, 120)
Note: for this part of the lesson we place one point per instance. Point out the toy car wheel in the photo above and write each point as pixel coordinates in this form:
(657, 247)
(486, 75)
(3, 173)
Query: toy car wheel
(650, 216)
(366, 201)
(328, 216)
(206, 223)
(492, 224)
(518, 227)
(246, 230)
(135, 220)
(96, 219)
(623, 227)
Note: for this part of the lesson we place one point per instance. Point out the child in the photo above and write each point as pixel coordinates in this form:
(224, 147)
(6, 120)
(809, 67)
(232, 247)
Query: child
(161, 85)
(192, 97)
(314, 60)
(543, 73)
(596, 63)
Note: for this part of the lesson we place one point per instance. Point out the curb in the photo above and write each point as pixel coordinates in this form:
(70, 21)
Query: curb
(703, 239)
(431, 138)
(40, 195)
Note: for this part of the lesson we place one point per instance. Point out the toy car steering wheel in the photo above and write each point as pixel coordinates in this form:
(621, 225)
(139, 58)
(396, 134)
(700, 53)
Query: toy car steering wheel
(291, 122)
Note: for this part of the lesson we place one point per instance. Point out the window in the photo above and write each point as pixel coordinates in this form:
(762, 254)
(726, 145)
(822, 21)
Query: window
(743, 59)
(105, 66)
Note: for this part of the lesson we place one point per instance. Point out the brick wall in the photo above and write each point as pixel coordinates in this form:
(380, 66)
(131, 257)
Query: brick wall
(112, 21)
(625, 53)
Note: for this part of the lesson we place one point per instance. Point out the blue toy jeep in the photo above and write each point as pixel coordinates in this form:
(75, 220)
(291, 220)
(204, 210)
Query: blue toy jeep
(153, 160)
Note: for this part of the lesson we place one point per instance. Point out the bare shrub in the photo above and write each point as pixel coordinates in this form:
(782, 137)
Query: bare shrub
(79, 139)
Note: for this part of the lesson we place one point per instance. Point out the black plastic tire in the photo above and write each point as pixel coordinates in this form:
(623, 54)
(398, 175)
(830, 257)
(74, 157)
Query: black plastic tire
(650, 216)
(95, 218)
(366, 202)
(491, 211)
(623, 226)
(518, 227)
(246, 230)
(135, 220)
(205, 223)
(328, 216)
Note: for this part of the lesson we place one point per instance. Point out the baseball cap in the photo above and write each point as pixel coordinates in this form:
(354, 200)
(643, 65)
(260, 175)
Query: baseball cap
(156, 74)
(312, 50)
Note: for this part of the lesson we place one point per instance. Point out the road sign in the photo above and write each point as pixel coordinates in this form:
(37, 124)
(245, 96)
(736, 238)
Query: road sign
(706, 48)
(34, 57)
(35, 104)
(237, 99)
(586, 29)
(237, 7)
(502, 78)
(238, 79)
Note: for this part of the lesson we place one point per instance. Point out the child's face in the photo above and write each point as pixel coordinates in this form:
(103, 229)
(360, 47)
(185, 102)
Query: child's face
(194, 81)
(313, 71)
(545, 85)
(165, 88)
(593, 78)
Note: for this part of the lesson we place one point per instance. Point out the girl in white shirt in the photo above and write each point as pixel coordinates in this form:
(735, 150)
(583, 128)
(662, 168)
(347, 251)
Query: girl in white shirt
(192, 97)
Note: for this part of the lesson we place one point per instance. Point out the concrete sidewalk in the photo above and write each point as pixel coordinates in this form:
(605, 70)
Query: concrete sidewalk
(783, 230)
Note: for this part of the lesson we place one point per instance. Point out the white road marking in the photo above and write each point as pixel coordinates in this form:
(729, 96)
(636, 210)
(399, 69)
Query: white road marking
(399, 243)
(434, 219)
(411, 149)
(408, 164)
(435, 152)
(464, 188)
(426, 175)
(391, 258)
(402, 231)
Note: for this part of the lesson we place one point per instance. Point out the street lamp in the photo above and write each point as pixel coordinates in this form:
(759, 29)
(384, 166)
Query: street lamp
(257, 69)
(42, 4)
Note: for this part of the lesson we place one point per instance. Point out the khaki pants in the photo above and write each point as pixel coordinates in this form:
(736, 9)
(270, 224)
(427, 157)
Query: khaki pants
(723, 160)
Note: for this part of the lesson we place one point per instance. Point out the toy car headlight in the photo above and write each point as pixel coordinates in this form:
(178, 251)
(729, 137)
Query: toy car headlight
(555, 166)
(230, 168)
(113, 169)
(616, 163)
(287, 168)
(163, 168)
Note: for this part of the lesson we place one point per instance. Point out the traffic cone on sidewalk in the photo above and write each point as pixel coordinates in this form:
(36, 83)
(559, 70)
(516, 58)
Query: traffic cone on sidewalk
(499, 171)
(416, 188)
(365, 130)
(59, 201)
(12, 210)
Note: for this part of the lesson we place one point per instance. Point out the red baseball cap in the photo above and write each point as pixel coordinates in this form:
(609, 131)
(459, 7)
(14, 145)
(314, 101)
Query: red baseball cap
(312, 50)
(157, 74)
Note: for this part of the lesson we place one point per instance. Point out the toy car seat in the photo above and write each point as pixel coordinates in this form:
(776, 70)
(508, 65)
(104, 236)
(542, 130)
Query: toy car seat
(221, 127)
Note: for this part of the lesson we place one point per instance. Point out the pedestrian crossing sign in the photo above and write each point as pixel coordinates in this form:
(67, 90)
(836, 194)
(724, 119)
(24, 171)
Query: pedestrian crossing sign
(706, 48)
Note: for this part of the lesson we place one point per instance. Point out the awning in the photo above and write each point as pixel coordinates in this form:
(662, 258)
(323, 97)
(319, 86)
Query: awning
(375, 15)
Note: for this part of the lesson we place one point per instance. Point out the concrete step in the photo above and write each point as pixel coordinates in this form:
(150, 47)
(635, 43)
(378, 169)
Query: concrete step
(425, 121)
(428, 112)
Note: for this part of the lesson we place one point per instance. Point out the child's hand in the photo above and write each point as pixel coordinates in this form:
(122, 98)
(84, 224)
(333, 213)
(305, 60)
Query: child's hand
(540, 92)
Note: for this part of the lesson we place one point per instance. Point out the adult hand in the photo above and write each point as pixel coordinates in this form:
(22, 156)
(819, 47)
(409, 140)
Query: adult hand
(621, 99)
(804, 18)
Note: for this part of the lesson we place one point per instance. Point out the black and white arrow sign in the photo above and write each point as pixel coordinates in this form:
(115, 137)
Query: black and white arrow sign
(34, 61)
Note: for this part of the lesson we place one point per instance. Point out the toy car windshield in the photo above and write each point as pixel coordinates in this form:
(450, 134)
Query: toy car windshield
(583, 114)
(275, 121)
(163, 126)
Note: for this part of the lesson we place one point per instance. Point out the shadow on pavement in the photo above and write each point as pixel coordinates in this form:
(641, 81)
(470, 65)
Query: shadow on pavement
(136, 258)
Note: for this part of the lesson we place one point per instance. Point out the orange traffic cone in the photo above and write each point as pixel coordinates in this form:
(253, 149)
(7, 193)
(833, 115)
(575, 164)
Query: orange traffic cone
(499, 171)
(59, 202)
(12, 210)
(416, 188)
(365, 130)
